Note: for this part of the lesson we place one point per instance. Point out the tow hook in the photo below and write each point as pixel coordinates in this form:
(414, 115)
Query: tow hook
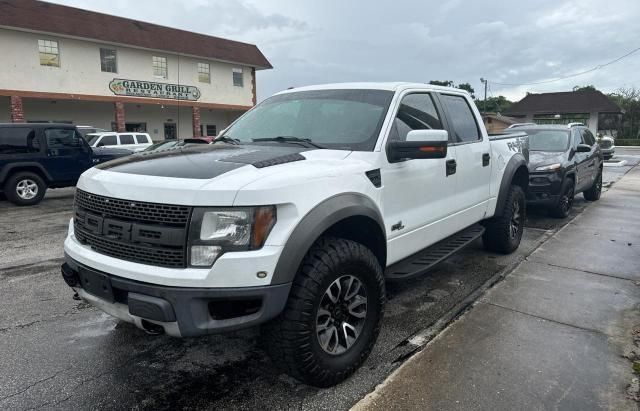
(151, 328)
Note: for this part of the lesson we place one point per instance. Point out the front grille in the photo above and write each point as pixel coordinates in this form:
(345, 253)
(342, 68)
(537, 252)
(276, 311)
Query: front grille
(605, 144)
(146, 233)
(133, 210)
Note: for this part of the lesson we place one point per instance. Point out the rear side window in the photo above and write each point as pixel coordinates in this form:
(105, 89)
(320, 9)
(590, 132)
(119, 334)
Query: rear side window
(126, 139)
(108, 141)
(62, 138)
(18, 140)
(416, 112)
(142, 139)
(461, 117)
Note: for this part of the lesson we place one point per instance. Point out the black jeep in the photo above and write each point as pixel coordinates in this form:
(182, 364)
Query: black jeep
(34, 157)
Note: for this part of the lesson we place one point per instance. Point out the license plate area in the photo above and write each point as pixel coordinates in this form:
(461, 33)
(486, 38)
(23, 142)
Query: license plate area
(96, 284)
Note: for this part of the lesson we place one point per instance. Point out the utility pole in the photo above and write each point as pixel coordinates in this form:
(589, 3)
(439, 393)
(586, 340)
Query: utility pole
(484, 105)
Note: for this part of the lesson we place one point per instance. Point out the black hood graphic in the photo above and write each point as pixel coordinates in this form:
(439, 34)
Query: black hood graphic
(203, 161)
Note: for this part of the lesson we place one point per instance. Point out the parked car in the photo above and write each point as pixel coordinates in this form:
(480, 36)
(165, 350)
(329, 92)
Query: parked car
(34, 157)
(563, 161)
(84, 130)
(607, 146)
(131, 141)
(295, 221)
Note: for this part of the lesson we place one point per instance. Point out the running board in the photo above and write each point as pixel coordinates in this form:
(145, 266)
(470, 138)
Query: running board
(424, 260)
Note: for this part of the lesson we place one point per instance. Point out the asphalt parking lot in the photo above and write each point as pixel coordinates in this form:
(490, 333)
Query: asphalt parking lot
(60, 353)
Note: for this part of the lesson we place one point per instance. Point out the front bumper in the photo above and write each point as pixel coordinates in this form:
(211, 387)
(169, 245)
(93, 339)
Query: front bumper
(182, 311)
(544, 188)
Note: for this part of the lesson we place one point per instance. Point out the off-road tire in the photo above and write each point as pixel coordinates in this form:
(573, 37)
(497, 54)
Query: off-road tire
(19, 178)
(499, 235)
(594, 192)
(567, 193)
(292, 338)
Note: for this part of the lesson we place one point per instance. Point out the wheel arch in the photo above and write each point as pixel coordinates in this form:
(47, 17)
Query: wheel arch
(33, 167)
(351, 216)
(516, 172)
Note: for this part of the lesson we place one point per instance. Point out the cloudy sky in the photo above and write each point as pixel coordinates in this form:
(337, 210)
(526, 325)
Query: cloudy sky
(311, 42)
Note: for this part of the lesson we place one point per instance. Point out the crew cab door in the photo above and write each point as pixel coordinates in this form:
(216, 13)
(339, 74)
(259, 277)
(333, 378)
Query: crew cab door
(416, 193)
(581, 161)
(592, 165)
(473, 158)
(67, 155)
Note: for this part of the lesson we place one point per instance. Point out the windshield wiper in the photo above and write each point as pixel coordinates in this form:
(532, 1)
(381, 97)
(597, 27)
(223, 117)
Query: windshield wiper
(290, 139)
(226, 139)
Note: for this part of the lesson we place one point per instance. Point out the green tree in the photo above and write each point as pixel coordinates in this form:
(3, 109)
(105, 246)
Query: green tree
(445, 83)
(449, 83)
(590, 87)
(629, 101)
(467, 87)
(494, 104)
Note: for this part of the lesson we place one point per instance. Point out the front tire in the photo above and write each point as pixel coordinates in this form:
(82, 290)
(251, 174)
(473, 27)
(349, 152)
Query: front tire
(503, 234)
(565, 202)
(333, 315)
(25, 188)
(594, 192)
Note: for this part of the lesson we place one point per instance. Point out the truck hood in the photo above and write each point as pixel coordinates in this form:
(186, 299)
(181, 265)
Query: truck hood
(194, 175)
(543, 158)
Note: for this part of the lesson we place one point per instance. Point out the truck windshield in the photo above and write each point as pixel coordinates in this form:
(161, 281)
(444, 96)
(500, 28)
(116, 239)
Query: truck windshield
(548, 140)
(336, 119)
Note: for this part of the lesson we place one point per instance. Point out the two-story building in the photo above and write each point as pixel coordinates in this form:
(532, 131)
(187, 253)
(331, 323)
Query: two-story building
(65, 64)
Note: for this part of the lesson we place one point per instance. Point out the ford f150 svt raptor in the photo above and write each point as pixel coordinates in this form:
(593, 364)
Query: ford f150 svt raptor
(295, 218)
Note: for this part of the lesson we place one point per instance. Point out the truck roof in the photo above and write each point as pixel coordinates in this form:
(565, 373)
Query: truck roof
(390, 86)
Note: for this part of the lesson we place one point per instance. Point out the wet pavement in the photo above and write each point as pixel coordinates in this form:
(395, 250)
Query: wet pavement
(61, 353)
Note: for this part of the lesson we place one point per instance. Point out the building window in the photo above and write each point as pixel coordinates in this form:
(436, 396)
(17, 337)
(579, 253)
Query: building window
(211, 130)
(160, 67)
(237, 77)
(108, 61)
(204, 75)
(49, 53)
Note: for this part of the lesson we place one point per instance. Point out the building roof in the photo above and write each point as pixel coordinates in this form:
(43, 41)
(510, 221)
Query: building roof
(563, 102)
(70, 21)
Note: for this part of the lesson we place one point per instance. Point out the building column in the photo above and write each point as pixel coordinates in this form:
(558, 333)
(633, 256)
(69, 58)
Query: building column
(253, 85)
(17, 113)
(195, 121)
(119, 109)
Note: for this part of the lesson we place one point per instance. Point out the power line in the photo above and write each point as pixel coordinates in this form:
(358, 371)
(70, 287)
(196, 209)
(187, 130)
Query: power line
(598, 67)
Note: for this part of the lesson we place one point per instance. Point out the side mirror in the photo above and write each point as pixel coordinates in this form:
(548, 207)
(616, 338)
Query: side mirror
(583, 148)
(420, 144)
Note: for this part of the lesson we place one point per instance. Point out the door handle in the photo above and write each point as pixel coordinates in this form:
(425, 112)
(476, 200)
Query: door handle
(486, 158)
(451, 167)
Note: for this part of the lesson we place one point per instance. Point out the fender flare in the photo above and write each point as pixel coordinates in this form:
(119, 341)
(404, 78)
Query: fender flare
(316, 222)
(10, 167)
(516, 162)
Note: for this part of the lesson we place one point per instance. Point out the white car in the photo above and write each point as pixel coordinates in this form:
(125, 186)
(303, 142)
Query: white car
(296, 217)
(131, 141)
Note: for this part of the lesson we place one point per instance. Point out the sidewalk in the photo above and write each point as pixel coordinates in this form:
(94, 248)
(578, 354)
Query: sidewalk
(551, 335)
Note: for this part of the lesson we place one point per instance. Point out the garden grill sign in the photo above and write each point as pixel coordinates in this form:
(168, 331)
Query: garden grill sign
(136, 88)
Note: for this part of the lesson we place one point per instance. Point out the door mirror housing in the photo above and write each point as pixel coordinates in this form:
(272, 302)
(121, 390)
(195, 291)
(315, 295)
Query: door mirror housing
(583, 148)
(420, 144)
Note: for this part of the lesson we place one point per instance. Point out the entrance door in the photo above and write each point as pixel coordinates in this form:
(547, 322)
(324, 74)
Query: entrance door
(170, 131)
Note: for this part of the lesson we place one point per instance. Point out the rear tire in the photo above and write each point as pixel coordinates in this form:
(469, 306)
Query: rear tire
(594, 192)
(309, 340)
(503, 234)
(565, 202)
(25, 188)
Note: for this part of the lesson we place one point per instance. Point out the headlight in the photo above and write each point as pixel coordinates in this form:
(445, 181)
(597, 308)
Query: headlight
(550, 167)
(214, 231)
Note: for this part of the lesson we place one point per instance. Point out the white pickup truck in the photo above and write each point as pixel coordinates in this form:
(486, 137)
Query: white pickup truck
(296, 217)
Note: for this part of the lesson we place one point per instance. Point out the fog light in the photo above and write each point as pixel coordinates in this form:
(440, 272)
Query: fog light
(204, 255)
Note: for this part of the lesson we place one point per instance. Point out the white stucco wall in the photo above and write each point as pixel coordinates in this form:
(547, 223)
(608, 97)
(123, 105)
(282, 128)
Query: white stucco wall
(79, 71)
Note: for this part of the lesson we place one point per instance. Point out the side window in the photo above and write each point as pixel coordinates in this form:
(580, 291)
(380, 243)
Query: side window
(62, 138)
(18, 140)
(109, 140)
(577, 138)
(142, 139)
(416, 112)
(463, 122)
(126, 139)
(588, 137)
